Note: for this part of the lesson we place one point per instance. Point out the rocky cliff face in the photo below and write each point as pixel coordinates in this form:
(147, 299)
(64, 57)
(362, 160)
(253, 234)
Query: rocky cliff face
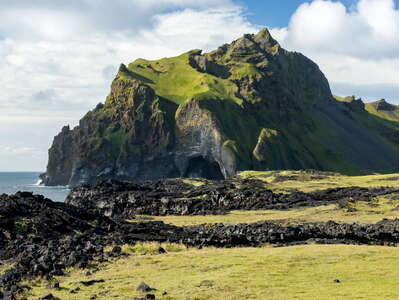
(247, 105)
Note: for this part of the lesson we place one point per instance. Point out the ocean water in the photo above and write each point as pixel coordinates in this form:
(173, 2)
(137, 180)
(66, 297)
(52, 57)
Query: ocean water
(12, 182)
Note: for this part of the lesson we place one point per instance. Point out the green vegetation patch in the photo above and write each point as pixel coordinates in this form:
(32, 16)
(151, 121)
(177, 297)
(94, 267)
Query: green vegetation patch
(4, 266)
(150, 248)
(344, 99)
(174, 79)
(117, 139)
(264, 146)
(307, 181)
(194, 181)
(22, 225)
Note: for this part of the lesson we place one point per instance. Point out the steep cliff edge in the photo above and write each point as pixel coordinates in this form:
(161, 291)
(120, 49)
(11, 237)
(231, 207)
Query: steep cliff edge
(247, 105)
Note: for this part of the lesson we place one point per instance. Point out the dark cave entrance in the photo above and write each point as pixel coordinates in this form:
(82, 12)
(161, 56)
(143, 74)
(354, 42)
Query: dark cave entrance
(199, 167)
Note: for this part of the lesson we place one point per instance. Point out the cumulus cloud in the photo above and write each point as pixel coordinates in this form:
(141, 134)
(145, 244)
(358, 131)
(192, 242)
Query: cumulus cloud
(59, 19)
(369, 30)
(358, 46)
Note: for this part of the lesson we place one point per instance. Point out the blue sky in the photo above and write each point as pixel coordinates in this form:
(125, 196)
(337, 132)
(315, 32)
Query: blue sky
(59, 57)
(275, 13)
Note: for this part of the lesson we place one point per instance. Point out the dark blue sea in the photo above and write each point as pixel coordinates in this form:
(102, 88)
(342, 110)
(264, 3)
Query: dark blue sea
(12, 182)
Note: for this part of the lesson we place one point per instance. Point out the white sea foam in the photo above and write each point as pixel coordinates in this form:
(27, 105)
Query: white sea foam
(55, 187)
(12, 182)
(40, 184)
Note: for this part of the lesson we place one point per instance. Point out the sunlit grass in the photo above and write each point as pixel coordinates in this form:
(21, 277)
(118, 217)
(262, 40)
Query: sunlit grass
(307, 182)
(360, 212)
(150, 248)
(301, 272)
(194, 181)
(4, 267)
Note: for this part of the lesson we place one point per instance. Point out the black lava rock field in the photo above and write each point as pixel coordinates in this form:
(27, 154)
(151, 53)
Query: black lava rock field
(41, 238)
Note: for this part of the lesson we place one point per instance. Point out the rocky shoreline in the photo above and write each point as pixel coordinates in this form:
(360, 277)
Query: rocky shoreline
(41, 238)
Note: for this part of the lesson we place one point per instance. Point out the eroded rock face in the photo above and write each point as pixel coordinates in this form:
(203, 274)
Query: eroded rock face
(199, 144)
(249, 105)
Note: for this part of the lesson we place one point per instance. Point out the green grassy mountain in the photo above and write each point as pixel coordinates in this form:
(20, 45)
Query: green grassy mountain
(249, 105)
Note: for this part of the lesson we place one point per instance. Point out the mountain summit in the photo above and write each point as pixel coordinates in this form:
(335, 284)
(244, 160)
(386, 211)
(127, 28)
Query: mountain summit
(249, 105)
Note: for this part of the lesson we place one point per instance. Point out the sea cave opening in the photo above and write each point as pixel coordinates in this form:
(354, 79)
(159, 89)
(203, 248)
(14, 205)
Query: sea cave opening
(199, 167)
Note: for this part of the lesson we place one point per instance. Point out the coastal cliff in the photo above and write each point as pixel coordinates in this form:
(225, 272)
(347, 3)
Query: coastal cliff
(249, 105)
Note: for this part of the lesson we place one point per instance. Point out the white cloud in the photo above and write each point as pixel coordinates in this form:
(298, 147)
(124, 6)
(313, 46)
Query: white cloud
(7, 150)
(59, 19)
(357, 46)
(369, 30)
(381, 17)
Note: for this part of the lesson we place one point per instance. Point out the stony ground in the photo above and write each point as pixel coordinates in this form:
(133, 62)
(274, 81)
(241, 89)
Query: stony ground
(82, 250)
